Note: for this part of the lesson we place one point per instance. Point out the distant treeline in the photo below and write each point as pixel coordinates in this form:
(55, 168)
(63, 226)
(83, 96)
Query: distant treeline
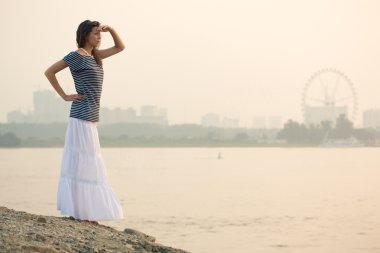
(295, 133)
(185, 135)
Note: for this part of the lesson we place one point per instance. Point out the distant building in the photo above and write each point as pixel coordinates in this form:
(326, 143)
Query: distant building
(18, 117)
(152, 114)
(47, 108)
(230, 123)
(110, 116)
(315, 114)
(213, 120)
(210, 120)
(267, 122)
(148, 114)
(371, 118)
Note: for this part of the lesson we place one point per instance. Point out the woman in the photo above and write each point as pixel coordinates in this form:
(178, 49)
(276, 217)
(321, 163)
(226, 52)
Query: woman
(83, 189)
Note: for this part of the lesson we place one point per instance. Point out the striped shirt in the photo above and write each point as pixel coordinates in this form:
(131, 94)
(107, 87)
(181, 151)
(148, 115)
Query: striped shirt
(88, 79)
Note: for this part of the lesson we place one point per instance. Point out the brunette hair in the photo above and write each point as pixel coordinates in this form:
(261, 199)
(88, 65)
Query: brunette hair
(83, 31)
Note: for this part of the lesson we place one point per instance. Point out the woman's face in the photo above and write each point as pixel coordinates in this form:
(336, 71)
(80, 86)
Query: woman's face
(94, 38)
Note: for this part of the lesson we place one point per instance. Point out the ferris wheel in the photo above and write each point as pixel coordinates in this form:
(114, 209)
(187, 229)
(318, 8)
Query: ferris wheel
(329, 89)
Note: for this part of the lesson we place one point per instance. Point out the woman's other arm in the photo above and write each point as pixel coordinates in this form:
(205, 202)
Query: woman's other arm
(118, 47)
(50, 74)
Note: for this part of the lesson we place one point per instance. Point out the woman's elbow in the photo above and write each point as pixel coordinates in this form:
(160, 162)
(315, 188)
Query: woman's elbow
(48, 72)
(121, 48)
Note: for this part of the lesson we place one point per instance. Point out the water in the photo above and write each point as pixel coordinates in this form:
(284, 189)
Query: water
(251, 200)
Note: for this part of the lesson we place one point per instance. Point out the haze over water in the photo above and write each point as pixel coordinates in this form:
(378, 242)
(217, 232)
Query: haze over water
(251, 200)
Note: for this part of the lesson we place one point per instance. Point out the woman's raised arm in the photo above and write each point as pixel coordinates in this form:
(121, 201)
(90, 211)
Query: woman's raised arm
(118, 47)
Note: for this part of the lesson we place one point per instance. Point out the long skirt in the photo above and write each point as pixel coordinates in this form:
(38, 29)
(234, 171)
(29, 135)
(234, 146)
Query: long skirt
(83, 189)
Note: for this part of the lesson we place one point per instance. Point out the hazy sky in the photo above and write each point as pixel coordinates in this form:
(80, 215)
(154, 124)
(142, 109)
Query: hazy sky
(238, 58)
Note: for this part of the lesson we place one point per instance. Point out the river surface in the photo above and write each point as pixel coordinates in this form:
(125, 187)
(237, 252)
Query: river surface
(262, 200)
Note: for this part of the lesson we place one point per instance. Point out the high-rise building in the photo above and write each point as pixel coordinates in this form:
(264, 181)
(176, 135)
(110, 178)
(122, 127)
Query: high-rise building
(210, 120)
(371, 118)
(152, 114)
(266, 122)
(230, 122)
(47, 108)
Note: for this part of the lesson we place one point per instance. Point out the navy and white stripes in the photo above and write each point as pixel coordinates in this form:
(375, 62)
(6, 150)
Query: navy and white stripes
(88, 79)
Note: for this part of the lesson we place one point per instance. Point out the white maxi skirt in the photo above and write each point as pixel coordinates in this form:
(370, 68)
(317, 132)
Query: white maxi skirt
(83, 189)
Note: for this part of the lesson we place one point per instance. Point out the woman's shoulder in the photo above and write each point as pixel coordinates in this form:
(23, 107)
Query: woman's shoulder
(75, 52)
(71, 53)
(73, 59)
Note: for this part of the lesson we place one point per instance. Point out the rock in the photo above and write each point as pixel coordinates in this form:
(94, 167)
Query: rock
(40, 238)
(41, 219)
(20, 234)
(32, 248)
(139, 235)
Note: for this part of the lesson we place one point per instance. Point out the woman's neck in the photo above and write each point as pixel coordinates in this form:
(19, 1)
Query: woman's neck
(88, 49)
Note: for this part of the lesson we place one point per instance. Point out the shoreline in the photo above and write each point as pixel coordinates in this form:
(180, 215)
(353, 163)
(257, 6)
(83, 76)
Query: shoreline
(25, 232)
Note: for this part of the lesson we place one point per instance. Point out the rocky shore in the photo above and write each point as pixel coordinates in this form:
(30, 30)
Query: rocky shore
(25, 232)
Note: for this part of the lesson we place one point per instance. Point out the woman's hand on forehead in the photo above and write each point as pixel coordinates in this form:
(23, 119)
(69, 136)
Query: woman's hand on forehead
(104, 28)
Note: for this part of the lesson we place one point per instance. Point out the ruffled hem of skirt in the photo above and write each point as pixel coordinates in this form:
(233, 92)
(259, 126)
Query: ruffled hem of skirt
(87, 200)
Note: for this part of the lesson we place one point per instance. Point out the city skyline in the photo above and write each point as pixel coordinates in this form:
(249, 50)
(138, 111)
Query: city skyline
(48, 107)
